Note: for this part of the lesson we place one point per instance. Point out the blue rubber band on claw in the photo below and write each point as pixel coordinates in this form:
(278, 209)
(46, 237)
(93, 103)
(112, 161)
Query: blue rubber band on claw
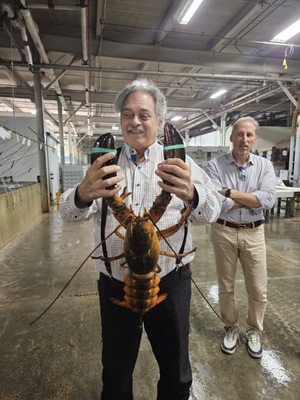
(103, 150)
(174, 146)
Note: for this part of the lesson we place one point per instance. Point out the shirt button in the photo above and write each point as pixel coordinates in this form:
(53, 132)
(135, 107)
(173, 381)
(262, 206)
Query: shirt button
(137, 204)
(137, 184)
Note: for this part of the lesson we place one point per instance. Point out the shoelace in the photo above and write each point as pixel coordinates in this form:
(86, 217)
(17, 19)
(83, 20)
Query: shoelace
(231, 333)
(253, 338)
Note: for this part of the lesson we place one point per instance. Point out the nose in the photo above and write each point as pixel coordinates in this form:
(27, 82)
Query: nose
(244, 137)
(135, 120)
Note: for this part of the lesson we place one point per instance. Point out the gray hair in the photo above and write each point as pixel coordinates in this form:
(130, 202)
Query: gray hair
(250, 120)
(143, 85)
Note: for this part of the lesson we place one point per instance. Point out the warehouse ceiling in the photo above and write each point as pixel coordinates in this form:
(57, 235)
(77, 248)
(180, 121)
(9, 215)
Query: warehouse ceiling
(84, 52)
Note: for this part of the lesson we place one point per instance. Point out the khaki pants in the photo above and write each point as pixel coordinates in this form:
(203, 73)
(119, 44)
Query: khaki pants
(247, 245)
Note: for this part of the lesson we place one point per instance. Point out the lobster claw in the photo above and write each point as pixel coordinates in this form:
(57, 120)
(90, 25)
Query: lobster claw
(104, 144)
(174, 146)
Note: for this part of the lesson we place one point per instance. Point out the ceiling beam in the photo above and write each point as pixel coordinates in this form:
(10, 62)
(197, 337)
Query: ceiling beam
(205, 59)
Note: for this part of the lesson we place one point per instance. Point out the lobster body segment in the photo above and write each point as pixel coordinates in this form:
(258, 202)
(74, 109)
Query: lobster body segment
(141, 292)
(141, 245)
(142, 239)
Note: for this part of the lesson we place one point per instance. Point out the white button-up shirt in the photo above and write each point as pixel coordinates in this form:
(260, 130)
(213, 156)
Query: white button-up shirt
(141, 182)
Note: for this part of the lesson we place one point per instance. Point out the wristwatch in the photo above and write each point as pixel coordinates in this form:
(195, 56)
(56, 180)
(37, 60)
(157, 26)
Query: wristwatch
(227, 193)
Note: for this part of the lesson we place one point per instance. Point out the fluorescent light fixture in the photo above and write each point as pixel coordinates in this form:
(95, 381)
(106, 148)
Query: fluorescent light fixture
(287, 33)
(188, 11)
(218, 93)
(176, 118)
(115, 127)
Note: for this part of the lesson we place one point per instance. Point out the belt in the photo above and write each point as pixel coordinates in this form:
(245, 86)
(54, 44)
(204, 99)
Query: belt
(248, 225)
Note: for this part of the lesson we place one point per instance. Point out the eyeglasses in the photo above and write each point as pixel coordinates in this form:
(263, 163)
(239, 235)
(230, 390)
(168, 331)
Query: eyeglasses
(242, 173)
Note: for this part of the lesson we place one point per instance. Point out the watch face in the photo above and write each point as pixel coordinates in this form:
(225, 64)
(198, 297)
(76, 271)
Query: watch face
(227, 193)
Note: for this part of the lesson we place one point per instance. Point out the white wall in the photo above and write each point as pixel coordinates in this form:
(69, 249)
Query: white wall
(268, 137)
(19, 157)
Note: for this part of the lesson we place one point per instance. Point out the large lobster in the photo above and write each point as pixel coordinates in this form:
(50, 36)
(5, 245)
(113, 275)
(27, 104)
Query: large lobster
(142, 237)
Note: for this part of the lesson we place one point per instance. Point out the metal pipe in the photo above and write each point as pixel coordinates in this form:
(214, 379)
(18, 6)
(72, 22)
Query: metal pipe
(288, 93)
(198, 120)
(162, 73)
(84, 35)
(44, 183)
(61, 132)
(55, 7)
(246, 95)
(296, 174)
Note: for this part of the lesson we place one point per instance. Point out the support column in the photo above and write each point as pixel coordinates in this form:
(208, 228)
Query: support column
(296, 174)
(75, 149)
(43, 177)
(187, 136)
(61, 132)
(223, 129)
(70, 144)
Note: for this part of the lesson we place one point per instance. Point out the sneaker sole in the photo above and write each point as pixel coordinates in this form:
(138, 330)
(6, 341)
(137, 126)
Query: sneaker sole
(253, 355)
(225, 350)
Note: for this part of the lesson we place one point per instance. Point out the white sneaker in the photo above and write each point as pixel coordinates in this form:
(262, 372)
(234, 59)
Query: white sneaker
(230, 340)
(253, 343)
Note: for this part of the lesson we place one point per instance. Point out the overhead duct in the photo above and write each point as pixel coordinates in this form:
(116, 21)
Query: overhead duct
(17, 23)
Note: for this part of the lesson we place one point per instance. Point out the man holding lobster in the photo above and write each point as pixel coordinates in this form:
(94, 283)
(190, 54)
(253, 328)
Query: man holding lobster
(148, 255)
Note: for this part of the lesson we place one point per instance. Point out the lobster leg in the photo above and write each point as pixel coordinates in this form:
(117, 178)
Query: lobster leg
(174, 228)
(121, 212)
(180, 255)
(114, 258)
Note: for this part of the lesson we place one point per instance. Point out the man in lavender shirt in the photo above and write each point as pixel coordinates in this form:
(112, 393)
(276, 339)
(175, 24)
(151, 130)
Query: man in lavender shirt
(247, 182)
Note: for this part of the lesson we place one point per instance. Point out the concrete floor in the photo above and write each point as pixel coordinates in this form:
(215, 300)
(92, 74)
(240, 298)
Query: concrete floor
(58, 358)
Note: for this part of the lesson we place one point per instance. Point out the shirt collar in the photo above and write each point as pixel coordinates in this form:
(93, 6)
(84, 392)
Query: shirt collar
(148, 153)
(250, 161)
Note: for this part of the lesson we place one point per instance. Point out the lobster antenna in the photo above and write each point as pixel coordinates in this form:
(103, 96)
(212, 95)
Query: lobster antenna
(192, 279)
(72, 277)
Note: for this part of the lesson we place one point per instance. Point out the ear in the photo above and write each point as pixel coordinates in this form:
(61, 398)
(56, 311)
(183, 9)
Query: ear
(230, 137)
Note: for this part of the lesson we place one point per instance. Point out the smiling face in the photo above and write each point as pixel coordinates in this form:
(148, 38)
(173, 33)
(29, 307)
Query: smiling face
(243, 138)
(139, 121)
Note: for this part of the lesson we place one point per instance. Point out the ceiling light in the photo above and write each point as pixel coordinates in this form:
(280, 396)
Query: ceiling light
(176, 118)
(218, 93)
(188, 10)
(287, 33)
(115, 127)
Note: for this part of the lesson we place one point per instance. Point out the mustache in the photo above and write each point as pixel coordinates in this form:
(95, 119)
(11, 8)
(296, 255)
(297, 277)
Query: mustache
(135, 129)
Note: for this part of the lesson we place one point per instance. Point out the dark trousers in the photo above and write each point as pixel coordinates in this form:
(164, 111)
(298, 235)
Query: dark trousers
(167, 327)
